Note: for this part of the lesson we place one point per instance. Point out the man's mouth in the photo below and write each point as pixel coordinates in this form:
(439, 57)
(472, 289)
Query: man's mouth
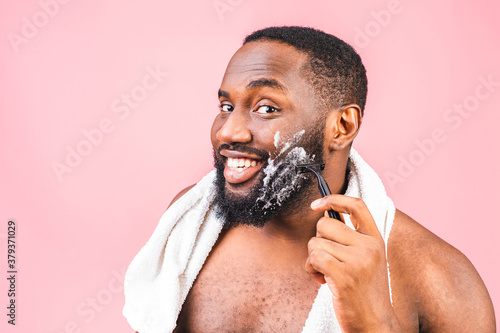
(240, 164)
(239, 170)
(240, 167)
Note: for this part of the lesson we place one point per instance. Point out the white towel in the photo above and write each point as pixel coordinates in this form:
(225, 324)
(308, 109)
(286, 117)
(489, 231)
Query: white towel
(159, 278)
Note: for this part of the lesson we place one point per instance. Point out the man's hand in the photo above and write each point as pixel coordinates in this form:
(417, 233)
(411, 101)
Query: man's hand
(353, 264)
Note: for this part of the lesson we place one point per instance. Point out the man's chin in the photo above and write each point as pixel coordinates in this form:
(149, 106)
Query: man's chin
(241, 190)
(236, 176)
(236, 204)
(239, 205)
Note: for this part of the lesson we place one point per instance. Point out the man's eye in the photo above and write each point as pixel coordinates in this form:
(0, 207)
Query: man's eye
(265, 109)
(226, 108)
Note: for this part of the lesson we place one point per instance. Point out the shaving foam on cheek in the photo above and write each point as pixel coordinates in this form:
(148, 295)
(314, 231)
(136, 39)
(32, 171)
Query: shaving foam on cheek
(280, 177)
(277, 139)
(284, 146)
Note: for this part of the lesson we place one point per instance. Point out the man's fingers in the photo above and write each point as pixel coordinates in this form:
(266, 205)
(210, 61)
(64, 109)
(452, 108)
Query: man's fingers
(335, 230)
(336, 250)
(341, 216)
(314, 273)
(361, 217)
(320, 261)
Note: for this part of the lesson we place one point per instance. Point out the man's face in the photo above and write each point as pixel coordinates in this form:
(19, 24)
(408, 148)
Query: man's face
(267, 124)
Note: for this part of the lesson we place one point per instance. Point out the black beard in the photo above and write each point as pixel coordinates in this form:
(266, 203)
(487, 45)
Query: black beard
(279, 189)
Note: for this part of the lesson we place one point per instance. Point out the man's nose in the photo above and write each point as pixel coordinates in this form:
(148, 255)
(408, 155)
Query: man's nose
(235, 129)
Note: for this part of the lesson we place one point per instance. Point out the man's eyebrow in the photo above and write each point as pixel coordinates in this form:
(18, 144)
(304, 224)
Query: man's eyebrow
(223, 93)
(266, 83)
(256, 84)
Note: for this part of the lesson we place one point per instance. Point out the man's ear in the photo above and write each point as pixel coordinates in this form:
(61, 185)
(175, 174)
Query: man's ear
(342, 126)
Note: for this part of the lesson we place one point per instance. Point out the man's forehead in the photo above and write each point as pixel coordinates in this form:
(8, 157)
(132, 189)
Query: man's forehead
(266, 54)
(265, 62)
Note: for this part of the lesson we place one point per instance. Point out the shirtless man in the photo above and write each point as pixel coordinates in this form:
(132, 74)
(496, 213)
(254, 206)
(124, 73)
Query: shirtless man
(265, 270)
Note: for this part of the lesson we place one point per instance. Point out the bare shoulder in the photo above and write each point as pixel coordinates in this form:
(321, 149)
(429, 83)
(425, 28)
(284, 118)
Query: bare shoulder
(434, 282)
(180, 194)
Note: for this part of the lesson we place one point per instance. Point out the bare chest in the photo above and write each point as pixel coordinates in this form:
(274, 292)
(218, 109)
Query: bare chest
(236, 297)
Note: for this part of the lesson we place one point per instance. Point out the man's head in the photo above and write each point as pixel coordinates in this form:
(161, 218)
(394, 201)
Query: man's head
(333, 67)
(289, 95)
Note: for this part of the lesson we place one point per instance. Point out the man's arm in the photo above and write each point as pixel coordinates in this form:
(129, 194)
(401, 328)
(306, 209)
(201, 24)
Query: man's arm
(353, 264)
(445, 289)
(180, 194)
(435, 288)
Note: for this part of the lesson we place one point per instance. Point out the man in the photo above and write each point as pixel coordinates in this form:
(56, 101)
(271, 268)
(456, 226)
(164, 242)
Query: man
(293, 95)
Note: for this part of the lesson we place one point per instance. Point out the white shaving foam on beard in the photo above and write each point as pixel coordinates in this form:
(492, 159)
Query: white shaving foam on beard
(283, 170)
(286, 145)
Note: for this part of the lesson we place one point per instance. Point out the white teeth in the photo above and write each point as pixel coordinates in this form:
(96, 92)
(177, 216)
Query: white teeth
(240, 163)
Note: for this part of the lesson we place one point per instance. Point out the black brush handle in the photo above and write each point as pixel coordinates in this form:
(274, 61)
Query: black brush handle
(325, 190)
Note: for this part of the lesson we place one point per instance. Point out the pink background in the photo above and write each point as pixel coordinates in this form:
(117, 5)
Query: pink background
(77, 234)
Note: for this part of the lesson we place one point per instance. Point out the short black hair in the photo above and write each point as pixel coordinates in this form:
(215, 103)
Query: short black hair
(335, 69)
